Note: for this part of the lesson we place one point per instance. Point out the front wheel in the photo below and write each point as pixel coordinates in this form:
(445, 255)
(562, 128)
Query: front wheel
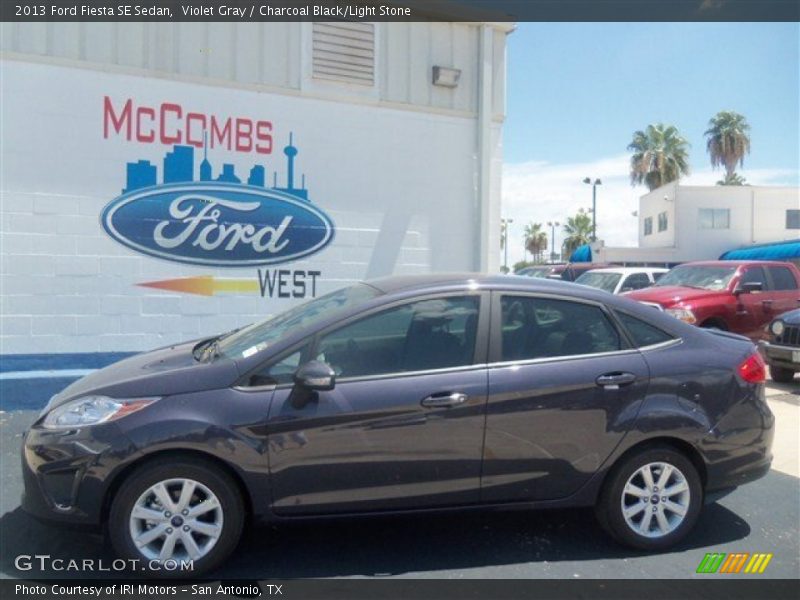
(781, 374)
(651, 500)
(176, 519)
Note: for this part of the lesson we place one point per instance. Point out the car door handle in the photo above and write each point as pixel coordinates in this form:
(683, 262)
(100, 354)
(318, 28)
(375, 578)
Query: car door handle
(767, 302)
(613, 381)
(444, 399)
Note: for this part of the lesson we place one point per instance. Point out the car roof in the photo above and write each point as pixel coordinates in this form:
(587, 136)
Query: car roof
(629, 270)
(402, 283)
(733, 263)
(411, 285)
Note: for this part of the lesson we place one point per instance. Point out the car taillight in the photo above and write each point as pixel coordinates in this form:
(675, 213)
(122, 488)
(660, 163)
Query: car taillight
(753, 369)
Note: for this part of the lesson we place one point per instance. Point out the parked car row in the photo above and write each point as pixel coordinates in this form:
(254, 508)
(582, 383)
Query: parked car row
(565, 272)
(757, 299)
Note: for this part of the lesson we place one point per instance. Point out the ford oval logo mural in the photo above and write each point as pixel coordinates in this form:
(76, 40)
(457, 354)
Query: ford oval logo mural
(218, 222)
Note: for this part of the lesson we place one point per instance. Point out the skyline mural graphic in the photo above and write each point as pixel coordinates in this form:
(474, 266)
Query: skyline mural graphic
(179, 167)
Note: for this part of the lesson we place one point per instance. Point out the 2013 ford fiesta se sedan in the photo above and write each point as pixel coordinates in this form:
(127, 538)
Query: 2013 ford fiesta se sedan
(406, 394)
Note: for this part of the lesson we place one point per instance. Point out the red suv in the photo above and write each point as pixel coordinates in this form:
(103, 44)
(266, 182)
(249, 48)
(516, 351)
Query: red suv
(737, 296)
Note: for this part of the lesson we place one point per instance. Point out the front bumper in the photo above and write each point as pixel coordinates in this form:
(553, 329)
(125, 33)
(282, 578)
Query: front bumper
(782, 356)
(66, 472)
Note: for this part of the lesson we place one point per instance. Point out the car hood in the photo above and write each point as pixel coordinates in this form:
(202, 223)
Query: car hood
(791, 318)
(163, 372)
(672, 294)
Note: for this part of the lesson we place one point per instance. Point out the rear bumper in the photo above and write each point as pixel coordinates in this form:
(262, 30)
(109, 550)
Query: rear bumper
(738, 449)
(733, 475)
(781, 356)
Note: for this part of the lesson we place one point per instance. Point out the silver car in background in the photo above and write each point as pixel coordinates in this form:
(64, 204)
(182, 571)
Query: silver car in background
(617, 280)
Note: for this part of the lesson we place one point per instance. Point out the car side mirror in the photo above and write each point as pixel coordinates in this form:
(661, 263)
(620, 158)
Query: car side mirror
(749, 287)
(315, 376)
(627, 288)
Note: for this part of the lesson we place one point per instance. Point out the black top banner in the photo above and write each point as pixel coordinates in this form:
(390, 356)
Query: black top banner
(398, 10)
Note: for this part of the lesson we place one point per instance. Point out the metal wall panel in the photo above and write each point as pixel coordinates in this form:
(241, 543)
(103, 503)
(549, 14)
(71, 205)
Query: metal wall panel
(397, 57)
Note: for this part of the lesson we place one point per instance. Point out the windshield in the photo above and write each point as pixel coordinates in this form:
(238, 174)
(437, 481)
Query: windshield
(705, 277)
(534, 271)
(603, 281)
(259, 336)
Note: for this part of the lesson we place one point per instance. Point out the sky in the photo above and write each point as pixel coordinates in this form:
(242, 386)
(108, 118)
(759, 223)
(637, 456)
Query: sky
(576, 92)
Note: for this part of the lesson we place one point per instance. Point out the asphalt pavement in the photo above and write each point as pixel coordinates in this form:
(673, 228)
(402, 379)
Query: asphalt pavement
(759, 517)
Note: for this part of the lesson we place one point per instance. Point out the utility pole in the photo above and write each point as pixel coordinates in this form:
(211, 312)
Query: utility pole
(594, 184)
(553, 225)
(505, 242)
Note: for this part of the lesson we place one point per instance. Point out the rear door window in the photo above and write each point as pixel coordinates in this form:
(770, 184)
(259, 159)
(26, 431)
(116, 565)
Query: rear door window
(782, 278)
(548, 328)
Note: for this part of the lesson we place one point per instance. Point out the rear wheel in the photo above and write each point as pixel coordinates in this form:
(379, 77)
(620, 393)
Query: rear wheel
(168, 515)
(651, 500)
(781, 374)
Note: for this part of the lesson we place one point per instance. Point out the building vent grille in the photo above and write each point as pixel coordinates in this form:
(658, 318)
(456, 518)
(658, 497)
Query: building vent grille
(344, 52)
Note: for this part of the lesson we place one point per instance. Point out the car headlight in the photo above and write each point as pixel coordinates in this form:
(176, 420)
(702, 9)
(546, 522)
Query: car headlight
(777, 328)
(682, 314)
(92, 410)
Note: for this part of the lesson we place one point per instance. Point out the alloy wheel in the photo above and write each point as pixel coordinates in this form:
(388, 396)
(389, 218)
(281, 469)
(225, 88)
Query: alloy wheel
(178, 519)
(655, 499)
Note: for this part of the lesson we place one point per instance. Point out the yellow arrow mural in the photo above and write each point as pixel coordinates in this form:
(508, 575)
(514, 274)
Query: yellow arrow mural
(205, 285)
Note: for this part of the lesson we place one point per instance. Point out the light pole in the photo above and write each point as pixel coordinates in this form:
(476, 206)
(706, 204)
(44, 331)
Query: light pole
(552, 225)
(505, 242)
(594, 184)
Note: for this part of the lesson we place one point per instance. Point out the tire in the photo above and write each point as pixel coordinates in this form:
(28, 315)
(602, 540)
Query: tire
(781, 374)
(609, 508)
(215, 530)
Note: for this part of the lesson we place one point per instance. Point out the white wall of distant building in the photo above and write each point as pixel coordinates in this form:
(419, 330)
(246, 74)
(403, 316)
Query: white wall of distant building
(755, 215)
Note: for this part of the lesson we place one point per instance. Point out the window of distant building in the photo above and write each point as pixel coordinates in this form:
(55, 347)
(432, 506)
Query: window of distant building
(648, 226)
(662, 221)
(793, 218)
(714, 218)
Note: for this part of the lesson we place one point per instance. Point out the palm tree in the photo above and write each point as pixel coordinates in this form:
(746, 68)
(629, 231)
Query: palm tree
(540, 243)
(578, 230)
(728, 140)
(535, 240)
(660, 155)
(733, 179)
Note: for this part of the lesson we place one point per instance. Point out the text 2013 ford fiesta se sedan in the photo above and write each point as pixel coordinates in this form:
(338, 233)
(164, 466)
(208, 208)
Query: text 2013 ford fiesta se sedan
(401, 394)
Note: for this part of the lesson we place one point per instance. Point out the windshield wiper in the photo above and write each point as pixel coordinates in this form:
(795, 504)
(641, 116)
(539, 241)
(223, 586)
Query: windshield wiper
(212, 350)
(200, 348)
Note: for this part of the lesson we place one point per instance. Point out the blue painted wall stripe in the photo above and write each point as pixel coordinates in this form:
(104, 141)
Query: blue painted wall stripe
(27, 381)
(57, 374)
(52, 362)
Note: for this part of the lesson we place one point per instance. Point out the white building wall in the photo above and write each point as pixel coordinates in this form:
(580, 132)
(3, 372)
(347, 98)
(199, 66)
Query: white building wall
(272, 55)
(395, 167)
(757, 215)
(650, 206)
